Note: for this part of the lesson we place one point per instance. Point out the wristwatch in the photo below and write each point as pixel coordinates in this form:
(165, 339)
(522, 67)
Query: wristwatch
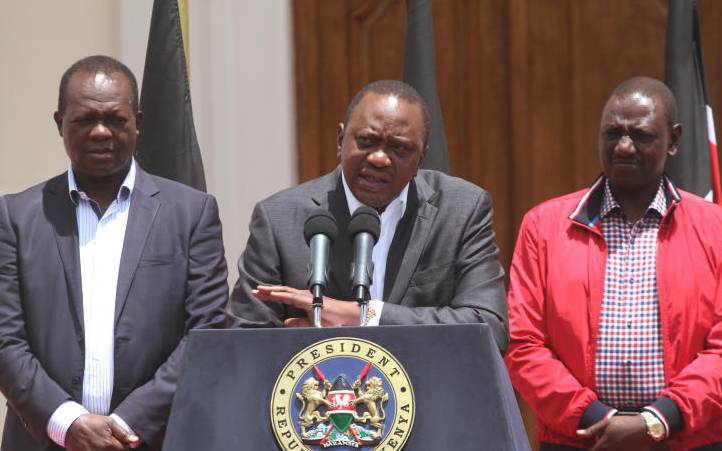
(655, 428)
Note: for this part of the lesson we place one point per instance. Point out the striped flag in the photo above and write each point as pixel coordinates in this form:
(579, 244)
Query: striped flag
(167, 145)
(695, 168)
(420, 72)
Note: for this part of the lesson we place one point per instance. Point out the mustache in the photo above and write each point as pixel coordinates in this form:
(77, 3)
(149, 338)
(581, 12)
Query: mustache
(382, 176)
(108, 147)
(628, 160)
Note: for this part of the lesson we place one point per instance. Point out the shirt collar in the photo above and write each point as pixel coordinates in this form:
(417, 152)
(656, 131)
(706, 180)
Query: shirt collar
(610, 204)
(354, 203)
(126, 188)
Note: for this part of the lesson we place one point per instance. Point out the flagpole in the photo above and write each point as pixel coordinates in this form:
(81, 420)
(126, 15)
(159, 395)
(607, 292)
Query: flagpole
(183, 13)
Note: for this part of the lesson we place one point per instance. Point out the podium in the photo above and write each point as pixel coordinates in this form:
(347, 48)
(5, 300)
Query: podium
(439, 387)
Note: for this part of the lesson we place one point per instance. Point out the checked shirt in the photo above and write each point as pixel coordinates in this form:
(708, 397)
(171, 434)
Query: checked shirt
(629, 362)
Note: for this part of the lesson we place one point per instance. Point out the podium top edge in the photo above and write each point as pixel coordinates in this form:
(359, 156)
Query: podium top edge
(341, 330)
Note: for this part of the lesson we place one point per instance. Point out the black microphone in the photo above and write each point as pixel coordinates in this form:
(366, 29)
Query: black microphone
(364, 230)
(319, 231)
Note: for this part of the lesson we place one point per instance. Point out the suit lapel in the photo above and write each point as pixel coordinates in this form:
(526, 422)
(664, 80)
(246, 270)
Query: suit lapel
(400, 241)
(143, 209)
(417, 242)
(61, 215)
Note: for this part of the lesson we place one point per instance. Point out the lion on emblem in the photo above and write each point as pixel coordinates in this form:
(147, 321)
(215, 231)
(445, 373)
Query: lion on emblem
(311, 399)
(373, 399)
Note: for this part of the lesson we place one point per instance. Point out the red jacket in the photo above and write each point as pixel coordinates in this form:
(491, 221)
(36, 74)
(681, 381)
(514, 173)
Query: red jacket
(557, 279)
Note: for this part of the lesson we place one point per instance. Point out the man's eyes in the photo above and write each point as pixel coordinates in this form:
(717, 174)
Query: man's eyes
(636, 136)
(365, 141)
(641, 137)
(400, 149)
(113, 121)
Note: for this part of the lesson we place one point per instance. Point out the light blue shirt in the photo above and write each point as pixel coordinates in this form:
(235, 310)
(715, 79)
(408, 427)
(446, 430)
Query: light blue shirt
(100, 245)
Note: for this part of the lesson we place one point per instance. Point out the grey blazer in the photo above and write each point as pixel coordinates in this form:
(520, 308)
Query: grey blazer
(443, 263)
(172, 278)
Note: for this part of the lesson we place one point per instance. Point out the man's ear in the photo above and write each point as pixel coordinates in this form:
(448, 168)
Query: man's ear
(138, 121)
(339, 139)
(58, 118)
(423, 157)
(675, 134)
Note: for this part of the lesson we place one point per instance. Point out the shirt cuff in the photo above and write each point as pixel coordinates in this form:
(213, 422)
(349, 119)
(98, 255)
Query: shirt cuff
(61, 419)
(668, 413)
(374, 314)
(595, 412)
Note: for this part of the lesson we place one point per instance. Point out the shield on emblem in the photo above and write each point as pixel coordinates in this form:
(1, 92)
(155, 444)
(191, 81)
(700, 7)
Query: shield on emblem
(341, 398)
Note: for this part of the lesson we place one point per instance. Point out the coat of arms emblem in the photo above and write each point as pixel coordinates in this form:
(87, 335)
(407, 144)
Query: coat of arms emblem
(353, 415)
(316, 405)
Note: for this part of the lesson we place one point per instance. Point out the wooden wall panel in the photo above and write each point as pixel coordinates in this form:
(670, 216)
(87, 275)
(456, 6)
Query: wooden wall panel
(377, 31)
(540, 120)
(471, 47)
(521, 83)
(603, 54)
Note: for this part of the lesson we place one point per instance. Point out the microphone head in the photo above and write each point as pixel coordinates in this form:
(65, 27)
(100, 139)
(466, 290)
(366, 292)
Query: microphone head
(365, 219)
(320, 221)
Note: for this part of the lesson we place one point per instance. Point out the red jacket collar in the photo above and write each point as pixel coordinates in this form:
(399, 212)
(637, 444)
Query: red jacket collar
(587, 211)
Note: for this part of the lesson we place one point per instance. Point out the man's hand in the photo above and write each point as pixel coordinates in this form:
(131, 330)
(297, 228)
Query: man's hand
(333, 313)
(98, 433)
(619, 433)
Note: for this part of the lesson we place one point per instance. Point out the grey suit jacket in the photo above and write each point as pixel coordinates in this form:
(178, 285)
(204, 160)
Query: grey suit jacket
(443, 262)
(172, 278)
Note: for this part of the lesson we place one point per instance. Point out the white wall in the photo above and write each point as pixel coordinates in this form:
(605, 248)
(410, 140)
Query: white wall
(241, 82)
(38, 41)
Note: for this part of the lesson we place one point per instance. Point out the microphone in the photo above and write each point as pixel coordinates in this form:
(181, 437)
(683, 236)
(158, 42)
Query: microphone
(320, 231)
(364, 229)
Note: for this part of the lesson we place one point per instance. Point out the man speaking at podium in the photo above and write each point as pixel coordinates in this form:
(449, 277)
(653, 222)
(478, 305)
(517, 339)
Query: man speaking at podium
(435, 261)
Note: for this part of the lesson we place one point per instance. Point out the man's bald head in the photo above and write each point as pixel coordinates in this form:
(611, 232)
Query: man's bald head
(649, 87)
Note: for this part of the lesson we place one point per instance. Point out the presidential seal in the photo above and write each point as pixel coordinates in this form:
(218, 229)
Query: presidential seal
(342, 393)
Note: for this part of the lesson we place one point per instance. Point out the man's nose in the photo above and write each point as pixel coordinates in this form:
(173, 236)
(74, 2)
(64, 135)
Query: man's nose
(625, 146)
(379, 158)
(100, 131)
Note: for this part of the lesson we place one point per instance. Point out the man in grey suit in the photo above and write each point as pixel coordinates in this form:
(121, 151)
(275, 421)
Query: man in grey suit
(103, 271)
(435, 261)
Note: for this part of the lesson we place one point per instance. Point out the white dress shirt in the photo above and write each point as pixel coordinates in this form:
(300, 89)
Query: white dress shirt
(390, 218)
(100, 241)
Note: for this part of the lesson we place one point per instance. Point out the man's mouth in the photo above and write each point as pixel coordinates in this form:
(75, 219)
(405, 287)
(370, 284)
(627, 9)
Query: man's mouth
(100, 150)
(624, 163)
(373, 182)
(373, 178)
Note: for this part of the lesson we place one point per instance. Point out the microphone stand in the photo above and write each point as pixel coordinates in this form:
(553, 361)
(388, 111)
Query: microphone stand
(363, 303)
(317, 305)
(364, 311)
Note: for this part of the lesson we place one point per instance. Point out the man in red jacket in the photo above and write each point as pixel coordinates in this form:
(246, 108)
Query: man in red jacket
(615, 299)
